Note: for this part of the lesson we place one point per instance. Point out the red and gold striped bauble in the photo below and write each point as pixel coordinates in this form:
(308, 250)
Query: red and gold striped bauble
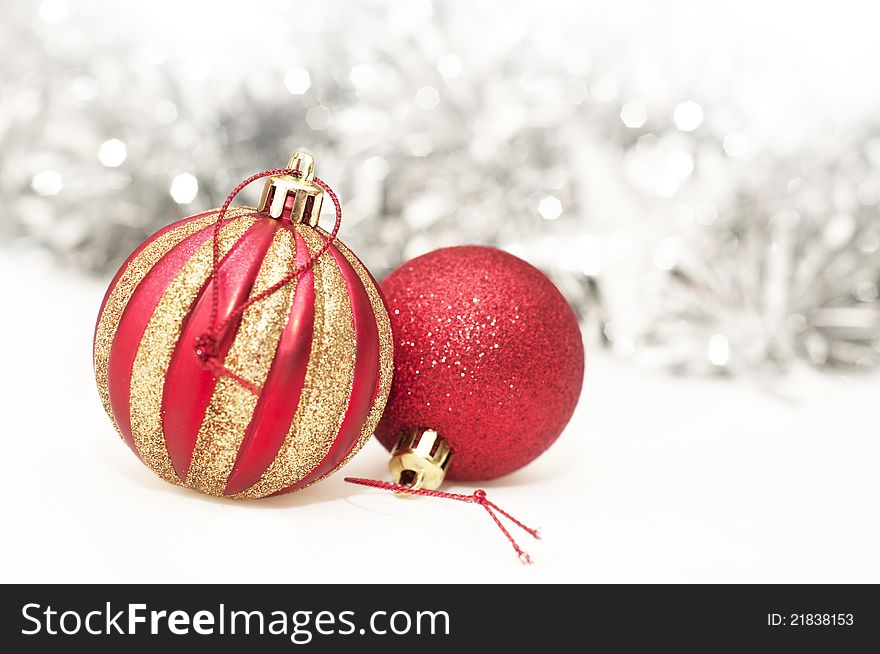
(316, 354)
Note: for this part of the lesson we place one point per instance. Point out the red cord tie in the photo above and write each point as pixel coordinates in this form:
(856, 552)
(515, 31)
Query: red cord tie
(206, 346)
(206, 351)
(477, 497)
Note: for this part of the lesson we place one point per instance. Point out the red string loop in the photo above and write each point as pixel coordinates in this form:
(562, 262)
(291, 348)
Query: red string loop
(477, 497)
(206, 344)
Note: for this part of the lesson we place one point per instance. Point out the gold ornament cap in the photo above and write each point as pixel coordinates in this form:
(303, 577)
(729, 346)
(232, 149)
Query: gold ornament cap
(307, 196)
(420, 458)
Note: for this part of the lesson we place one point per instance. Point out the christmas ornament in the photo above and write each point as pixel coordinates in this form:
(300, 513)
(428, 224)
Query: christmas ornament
(489, 363)
(246, 352)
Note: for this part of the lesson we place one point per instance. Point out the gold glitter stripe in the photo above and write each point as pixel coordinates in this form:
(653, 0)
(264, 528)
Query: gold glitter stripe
(157, 345)
(121, 293)
(386, 354)
(327, 384)
(250, 356)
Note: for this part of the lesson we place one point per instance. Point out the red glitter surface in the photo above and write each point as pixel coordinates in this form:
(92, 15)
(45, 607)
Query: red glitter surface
(487, 352)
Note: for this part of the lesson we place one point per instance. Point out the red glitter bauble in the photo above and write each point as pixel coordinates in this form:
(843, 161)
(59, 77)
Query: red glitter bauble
(487, 352)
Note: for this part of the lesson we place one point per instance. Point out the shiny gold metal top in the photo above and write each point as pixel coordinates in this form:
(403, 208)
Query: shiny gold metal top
(306, 195)
(420, 459)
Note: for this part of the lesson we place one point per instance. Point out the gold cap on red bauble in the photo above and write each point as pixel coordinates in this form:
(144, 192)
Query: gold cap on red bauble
(420, 458)
(297, 197)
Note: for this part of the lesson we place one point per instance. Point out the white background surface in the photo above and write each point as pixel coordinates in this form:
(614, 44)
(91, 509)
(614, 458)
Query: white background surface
(656, 479)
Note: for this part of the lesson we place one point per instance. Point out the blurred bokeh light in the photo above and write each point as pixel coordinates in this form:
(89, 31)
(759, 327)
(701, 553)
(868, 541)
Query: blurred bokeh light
(702, 181)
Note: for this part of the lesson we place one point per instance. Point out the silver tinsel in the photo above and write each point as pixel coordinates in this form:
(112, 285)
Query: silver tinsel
(789, 269)
(681, 238)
